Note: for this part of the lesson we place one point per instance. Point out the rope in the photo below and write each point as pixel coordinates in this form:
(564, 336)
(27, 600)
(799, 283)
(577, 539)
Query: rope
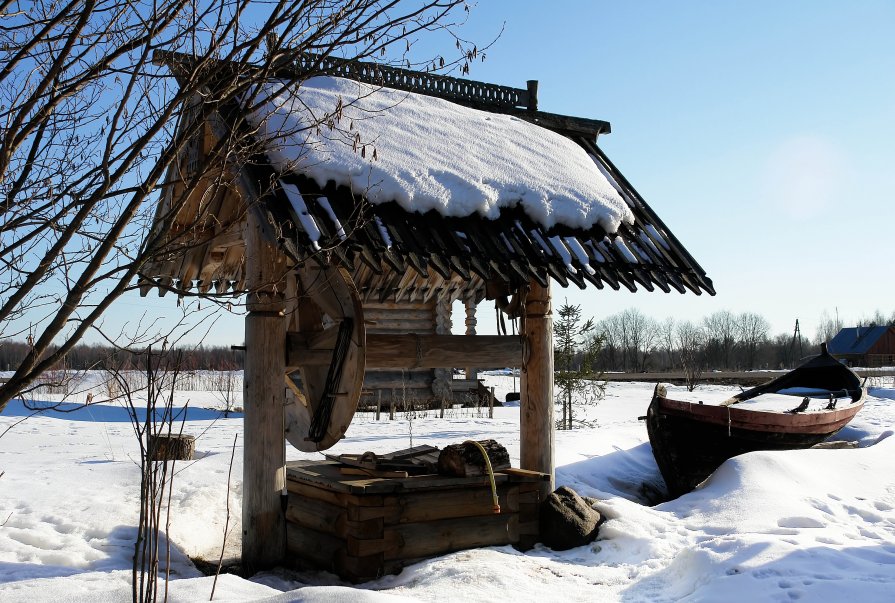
(324, 411)
(496, 504)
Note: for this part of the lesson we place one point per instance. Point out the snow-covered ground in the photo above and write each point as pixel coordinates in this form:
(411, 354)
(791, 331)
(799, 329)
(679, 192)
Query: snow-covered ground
(770, 526)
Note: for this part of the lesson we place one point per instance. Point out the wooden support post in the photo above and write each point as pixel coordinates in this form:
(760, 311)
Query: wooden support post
(469, 304)
(491, 404)
(536, 421)
(532, 95)
(378, 403)
(441, 384)
(391, 409)
(264, 453)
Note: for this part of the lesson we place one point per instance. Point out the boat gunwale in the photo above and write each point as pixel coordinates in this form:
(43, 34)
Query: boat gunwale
(760, 420)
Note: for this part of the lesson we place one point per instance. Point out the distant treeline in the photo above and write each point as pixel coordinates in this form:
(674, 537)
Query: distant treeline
(100, 357)
(631, 342)
(634, 342)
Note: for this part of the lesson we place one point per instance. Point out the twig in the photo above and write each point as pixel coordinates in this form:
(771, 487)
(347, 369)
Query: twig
(2, 473)
(17, 422)
(226, 521)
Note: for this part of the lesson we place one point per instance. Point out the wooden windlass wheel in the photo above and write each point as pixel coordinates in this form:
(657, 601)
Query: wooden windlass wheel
(326, 395)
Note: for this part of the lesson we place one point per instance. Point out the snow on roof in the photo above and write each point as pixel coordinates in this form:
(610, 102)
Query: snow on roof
(427, 153)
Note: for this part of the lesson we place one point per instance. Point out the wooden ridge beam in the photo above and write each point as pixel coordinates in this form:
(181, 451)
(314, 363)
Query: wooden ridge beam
(411, 351)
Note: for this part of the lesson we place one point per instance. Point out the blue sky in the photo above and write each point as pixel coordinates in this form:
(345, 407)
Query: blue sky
(760, 132)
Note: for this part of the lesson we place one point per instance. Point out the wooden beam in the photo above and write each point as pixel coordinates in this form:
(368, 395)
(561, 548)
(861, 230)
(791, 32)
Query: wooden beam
(536, 412)
(264, 453)
(411, 351)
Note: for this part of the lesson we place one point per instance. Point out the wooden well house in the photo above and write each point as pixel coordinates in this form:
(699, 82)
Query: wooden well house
(378, 198)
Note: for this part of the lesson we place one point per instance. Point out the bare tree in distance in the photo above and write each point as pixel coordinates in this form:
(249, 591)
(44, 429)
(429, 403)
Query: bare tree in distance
(629, 337)
(827, 327)
(691, 342)
(90, 125)
(721, 335)
(753, 331)
(642, 336)
(613, 350)
(666, 338)
(227, 385)
(877, 319)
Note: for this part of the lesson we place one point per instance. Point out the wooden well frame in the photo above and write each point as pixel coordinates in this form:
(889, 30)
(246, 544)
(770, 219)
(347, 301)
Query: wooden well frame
(248, 243)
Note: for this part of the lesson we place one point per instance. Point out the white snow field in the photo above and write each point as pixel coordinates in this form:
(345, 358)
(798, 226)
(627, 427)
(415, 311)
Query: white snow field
(813, 525)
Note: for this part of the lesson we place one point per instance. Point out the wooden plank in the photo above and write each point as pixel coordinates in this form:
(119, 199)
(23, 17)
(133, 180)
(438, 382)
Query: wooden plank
(462, 502)
(422, 326)
(361, 569)
(314, 513)
(385, 307)
(400, 310)
(416, 387)
(532, 496)
(443, 351)
(530, 528)
(409, 453)
(444, 536)
(529, 511)
(371, 472)
(389, 509)
(525, 475)
(536, 413)
(413, 351)
(325, 475)
(318, 474)
(333, 496)
(319, 548)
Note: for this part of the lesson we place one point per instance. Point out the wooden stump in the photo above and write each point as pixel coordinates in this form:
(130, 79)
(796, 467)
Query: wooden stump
(466, 460)
(172, 447)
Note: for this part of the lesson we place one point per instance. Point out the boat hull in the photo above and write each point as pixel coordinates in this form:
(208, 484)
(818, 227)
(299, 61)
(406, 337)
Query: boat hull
(691, 440)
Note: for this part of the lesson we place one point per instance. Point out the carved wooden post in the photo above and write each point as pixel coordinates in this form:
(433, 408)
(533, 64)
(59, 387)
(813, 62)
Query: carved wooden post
(469, 303)
(264, 478)
(441, 384)
(536, 421)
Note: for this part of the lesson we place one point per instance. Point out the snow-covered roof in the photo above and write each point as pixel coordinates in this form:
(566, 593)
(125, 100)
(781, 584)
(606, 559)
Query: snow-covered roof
(427, 153)
(423, 185)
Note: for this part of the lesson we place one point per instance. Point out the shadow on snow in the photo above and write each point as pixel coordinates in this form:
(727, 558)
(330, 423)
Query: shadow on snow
(106, 413)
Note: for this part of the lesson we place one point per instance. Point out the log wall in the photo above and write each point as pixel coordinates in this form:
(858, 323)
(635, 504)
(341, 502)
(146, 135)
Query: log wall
(363, 528)
(411, 386)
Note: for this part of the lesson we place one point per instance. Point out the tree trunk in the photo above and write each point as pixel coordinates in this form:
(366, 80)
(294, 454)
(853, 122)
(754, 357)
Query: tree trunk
(172, 447)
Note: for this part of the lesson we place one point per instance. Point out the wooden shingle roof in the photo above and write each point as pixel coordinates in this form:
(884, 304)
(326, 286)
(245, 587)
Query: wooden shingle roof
(392, 252)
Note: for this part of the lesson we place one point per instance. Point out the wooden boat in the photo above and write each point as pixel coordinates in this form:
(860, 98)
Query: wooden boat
(691, 439)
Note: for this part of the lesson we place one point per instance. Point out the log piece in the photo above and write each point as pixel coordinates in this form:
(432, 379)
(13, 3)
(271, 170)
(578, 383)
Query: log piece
(466, 460)
(172, 447)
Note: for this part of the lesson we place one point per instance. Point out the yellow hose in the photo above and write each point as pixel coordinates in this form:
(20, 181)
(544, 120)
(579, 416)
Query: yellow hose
(496, 507)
